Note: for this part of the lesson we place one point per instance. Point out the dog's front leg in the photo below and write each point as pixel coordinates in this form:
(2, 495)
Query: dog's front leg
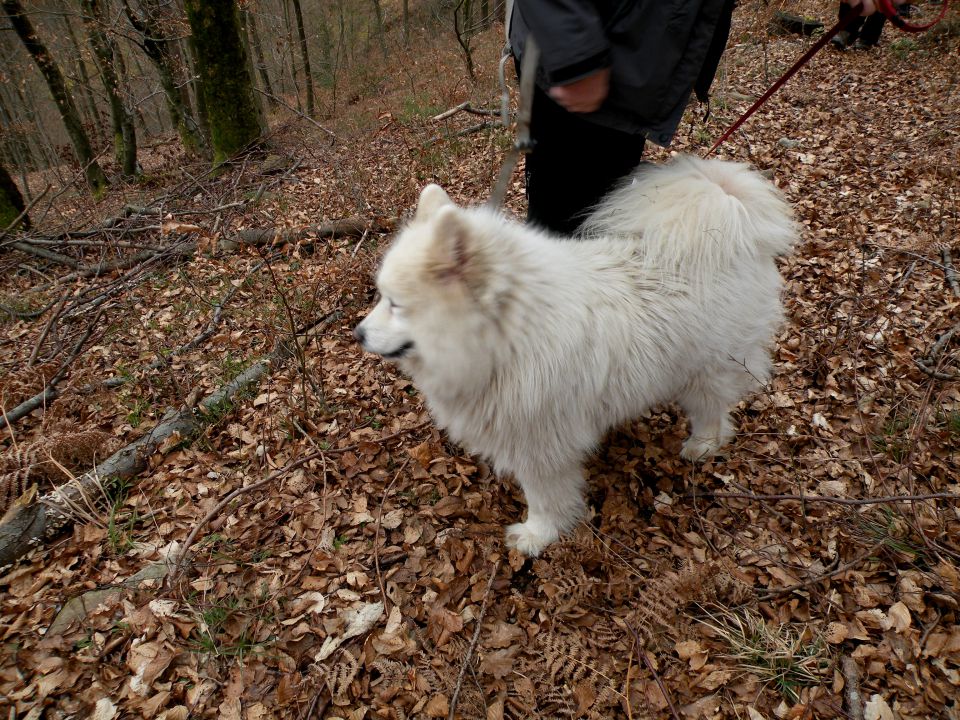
(554, 506)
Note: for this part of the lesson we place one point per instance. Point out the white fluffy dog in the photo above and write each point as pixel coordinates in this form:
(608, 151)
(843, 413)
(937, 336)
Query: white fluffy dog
(529, 347)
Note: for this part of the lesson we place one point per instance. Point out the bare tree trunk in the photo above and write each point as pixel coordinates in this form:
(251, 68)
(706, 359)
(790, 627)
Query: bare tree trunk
(158, 48)
(406, 22)
(105, 52)
(293, 61)
(304, 55)
(96, 180)
(258, 55)
(226, 81)
(11, 202)
(381, 33)
(93, 112)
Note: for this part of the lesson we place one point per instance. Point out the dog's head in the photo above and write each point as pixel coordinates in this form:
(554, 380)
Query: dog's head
(434, 286)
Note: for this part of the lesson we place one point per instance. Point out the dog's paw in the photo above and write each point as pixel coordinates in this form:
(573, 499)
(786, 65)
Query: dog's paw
(531, 538)
(699, 449)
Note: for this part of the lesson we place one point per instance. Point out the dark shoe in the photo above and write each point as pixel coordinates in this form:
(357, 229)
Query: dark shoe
(841, 40)
(861, 45)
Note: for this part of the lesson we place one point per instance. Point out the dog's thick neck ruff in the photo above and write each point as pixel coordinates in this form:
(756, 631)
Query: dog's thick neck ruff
(529, 347)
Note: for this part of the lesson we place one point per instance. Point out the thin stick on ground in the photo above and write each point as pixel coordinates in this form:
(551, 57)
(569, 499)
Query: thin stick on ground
(950, 272)
(851, 687)
(473, 643)
(376, 533)
(884, 500)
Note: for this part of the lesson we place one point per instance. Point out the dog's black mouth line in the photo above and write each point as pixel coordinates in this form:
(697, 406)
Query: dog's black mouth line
(399, 352)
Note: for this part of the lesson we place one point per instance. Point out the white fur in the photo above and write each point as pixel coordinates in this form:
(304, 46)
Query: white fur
(529, 347)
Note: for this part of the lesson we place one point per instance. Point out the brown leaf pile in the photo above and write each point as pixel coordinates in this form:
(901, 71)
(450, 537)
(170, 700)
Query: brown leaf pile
(372, 581)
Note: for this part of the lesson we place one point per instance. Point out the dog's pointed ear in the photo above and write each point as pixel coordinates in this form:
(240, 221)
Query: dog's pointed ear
(454, 255)
(432, 198)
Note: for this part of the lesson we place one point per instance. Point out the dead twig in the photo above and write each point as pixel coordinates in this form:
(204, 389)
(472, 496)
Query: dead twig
(467, 108)
(473, 643)
(767, 595)
(887, 499)
(50, 392)
(930, 362)
(851, 687)
(376, 534)
(950, 272)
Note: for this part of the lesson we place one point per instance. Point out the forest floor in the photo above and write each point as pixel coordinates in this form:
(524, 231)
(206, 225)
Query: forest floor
(366, 575)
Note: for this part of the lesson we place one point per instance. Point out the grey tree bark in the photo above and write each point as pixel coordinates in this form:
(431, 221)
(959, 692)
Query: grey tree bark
(96, 180)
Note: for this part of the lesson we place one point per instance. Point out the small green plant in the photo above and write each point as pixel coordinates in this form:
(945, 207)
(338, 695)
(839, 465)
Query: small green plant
(339, 541)
(416, 107)
(787, 656)
(886, 527)
(138, 409)
(894, 438)
(231, 367)
(120, 532)
(903, 47)
(217, 411)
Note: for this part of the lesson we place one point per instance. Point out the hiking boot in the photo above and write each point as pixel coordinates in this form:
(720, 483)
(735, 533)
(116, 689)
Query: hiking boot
(841, 40)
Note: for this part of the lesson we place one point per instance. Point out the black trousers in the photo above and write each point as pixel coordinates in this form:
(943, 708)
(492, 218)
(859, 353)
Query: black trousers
(867, 29)
(574, 163)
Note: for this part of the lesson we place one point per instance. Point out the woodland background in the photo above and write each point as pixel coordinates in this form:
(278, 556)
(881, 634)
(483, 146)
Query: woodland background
(215, 505)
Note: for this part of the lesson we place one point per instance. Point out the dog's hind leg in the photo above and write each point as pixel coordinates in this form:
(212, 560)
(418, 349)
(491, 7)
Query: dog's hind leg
(555, 505)
(707, 401)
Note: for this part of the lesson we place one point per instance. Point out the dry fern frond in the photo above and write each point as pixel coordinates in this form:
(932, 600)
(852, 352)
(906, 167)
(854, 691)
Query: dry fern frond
(340, 676)
(659, 604)
(46, 459)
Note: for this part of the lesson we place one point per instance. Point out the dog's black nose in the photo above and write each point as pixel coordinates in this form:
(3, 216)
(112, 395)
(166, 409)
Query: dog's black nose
(359, 334)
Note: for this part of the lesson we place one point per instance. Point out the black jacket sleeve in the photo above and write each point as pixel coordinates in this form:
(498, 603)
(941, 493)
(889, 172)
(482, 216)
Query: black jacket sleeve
(570, 34)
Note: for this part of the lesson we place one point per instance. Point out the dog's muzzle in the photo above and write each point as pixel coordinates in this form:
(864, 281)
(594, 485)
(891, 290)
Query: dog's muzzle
(361, 335)
(399, 352)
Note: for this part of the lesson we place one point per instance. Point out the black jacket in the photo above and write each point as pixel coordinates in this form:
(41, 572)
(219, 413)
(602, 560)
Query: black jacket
(658, 51)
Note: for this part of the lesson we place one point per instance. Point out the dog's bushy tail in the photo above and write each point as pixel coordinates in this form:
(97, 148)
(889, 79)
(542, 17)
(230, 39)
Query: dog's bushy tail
(704, 214)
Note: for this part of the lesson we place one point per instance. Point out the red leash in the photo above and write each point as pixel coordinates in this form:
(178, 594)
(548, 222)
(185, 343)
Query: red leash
(884, 6)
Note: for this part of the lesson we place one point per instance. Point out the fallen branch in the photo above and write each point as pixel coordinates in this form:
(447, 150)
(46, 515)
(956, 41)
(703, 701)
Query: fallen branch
(37, 251)
(851, 687)
(831, 500)
(27, 526)
(950, 272)
(348, 227)
(467, 108)
(929, 363)
(49, 392)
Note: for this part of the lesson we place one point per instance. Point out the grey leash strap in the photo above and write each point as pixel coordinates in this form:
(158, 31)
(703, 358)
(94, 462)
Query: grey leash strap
(523, 144)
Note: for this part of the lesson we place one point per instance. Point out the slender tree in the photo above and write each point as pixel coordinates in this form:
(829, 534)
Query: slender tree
(84, 86)
(96, 180)
(304, 55)
(226, 78)
(165, 56)
(11, 202)
(258, 54)
(105, 52)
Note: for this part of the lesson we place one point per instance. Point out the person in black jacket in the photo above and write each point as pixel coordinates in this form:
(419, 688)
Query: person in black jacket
(612, 74)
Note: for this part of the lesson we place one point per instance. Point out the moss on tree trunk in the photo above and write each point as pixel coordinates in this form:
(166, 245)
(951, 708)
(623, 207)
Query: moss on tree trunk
(226, 80)
(11, 202)
(104, 50)
(58, 88)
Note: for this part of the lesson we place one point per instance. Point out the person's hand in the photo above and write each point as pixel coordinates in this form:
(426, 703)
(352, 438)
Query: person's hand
(586, 94)
(869, 8)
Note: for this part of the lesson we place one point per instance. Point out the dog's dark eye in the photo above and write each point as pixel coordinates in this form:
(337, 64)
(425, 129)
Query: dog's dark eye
(393, 305)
